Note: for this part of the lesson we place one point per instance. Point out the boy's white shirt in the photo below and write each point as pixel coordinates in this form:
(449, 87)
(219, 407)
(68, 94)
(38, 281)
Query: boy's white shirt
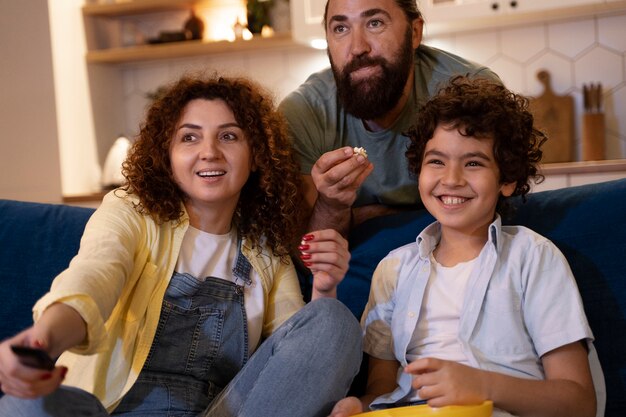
(508, 317)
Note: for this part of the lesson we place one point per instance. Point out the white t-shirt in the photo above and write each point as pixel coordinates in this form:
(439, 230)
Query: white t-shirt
(205, 255)
(437, 332)
(437, 329)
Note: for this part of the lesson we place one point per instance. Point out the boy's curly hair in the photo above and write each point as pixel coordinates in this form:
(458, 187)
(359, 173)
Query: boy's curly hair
(269, 203)
(482, 108)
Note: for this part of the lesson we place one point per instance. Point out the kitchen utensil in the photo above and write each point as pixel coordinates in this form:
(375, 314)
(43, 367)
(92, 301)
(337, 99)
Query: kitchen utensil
(554, 114)
(112, 171)
(480, 410)
(593, 124)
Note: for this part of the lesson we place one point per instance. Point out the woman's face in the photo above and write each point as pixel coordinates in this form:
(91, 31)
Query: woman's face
(210, 156)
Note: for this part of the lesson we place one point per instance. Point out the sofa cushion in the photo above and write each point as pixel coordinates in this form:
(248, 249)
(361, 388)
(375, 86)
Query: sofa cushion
(38, 242)
(588, 224)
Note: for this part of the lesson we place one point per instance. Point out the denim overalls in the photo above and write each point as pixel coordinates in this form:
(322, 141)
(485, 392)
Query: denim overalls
(302, 369)
(201, 343)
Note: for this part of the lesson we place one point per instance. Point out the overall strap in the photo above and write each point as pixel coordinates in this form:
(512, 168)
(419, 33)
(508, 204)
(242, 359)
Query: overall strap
(242, 266)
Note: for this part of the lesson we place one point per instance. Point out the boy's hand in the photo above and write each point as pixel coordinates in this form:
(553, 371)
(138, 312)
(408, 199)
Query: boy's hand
(347, 407)
(325, 253)
(442, 382)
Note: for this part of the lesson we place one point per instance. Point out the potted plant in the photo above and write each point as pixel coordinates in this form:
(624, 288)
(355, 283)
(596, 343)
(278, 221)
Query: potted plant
(258, 14)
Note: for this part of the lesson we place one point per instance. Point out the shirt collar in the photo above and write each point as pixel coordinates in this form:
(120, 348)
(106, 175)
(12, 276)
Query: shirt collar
(428, 239)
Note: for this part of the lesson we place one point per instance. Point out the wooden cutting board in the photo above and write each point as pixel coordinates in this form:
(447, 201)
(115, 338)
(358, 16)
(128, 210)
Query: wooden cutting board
(554, 115)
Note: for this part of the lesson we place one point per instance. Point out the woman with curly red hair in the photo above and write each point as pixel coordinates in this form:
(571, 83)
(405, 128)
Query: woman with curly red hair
(183, 299)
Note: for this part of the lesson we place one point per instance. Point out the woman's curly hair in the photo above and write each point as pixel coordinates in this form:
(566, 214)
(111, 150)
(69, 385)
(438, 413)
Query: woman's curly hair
(269, 203)
(482, 108)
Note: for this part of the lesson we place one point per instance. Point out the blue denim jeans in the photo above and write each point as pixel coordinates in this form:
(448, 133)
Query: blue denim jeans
(301, 370)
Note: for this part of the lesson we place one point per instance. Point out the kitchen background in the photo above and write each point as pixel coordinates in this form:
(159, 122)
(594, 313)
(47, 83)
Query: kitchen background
(54, 107)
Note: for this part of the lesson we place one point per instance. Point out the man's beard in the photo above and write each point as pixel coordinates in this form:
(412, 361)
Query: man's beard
(372, 98)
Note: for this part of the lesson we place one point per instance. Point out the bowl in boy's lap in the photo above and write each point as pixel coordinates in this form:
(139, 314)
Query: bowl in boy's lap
(480, 410)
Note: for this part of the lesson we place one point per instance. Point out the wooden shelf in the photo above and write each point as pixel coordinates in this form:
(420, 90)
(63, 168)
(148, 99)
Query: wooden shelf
(136, 7)
(103, 26)
(187, 49)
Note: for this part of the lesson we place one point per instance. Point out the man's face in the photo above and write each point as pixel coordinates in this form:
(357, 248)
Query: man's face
(370, 47)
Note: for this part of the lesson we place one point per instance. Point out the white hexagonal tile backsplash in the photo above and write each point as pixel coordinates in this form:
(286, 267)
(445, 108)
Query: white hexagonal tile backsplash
(576, 52)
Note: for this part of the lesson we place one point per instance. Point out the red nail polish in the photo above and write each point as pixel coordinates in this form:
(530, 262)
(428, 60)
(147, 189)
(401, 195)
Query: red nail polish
(307, 237)
(308, 263)
(303, 247)
(305, 256)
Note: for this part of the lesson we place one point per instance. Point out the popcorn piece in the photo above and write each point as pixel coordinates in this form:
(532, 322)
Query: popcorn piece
(359, 151)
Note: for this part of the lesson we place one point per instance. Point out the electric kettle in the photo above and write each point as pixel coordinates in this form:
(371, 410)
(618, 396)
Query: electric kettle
(112, 172)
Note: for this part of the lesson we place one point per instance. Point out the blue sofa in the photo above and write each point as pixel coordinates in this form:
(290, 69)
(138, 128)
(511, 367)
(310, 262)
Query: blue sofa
(588, 223)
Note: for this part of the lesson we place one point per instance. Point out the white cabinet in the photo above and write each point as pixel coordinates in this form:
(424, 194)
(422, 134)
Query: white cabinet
(436, 10)
(444, 16)
(306, 21)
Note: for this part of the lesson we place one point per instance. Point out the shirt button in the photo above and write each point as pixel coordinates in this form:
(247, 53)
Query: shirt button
(411, 314)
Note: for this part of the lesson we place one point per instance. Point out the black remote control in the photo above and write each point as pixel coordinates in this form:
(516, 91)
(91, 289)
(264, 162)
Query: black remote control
(33, 357)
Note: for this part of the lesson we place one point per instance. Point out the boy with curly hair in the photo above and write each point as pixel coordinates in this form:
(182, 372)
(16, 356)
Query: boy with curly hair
(474, 310)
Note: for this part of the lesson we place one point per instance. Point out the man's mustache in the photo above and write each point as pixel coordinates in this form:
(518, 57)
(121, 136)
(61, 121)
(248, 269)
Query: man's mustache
(362, 62)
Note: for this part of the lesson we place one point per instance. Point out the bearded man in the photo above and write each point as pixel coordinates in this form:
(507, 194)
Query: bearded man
(380, 75)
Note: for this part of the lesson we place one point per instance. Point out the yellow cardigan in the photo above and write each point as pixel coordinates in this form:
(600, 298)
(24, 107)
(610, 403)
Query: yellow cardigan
(117, 282)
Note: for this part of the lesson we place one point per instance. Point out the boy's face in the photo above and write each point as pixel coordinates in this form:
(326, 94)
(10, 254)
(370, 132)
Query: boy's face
(459, 182)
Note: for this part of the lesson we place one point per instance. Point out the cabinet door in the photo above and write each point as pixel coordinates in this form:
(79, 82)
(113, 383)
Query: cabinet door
(306, 20)
(512, 6)
(437, 11)
(443, 11)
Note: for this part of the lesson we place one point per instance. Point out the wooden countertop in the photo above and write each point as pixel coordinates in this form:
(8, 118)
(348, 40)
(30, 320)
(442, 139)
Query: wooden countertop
(581, 167)
(83, 198)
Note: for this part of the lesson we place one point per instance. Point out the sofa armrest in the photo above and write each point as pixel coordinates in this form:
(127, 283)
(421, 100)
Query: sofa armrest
(38, 241)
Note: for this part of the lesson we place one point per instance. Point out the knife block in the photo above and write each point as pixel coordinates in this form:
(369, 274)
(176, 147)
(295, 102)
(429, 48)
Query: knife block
(593, 137)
